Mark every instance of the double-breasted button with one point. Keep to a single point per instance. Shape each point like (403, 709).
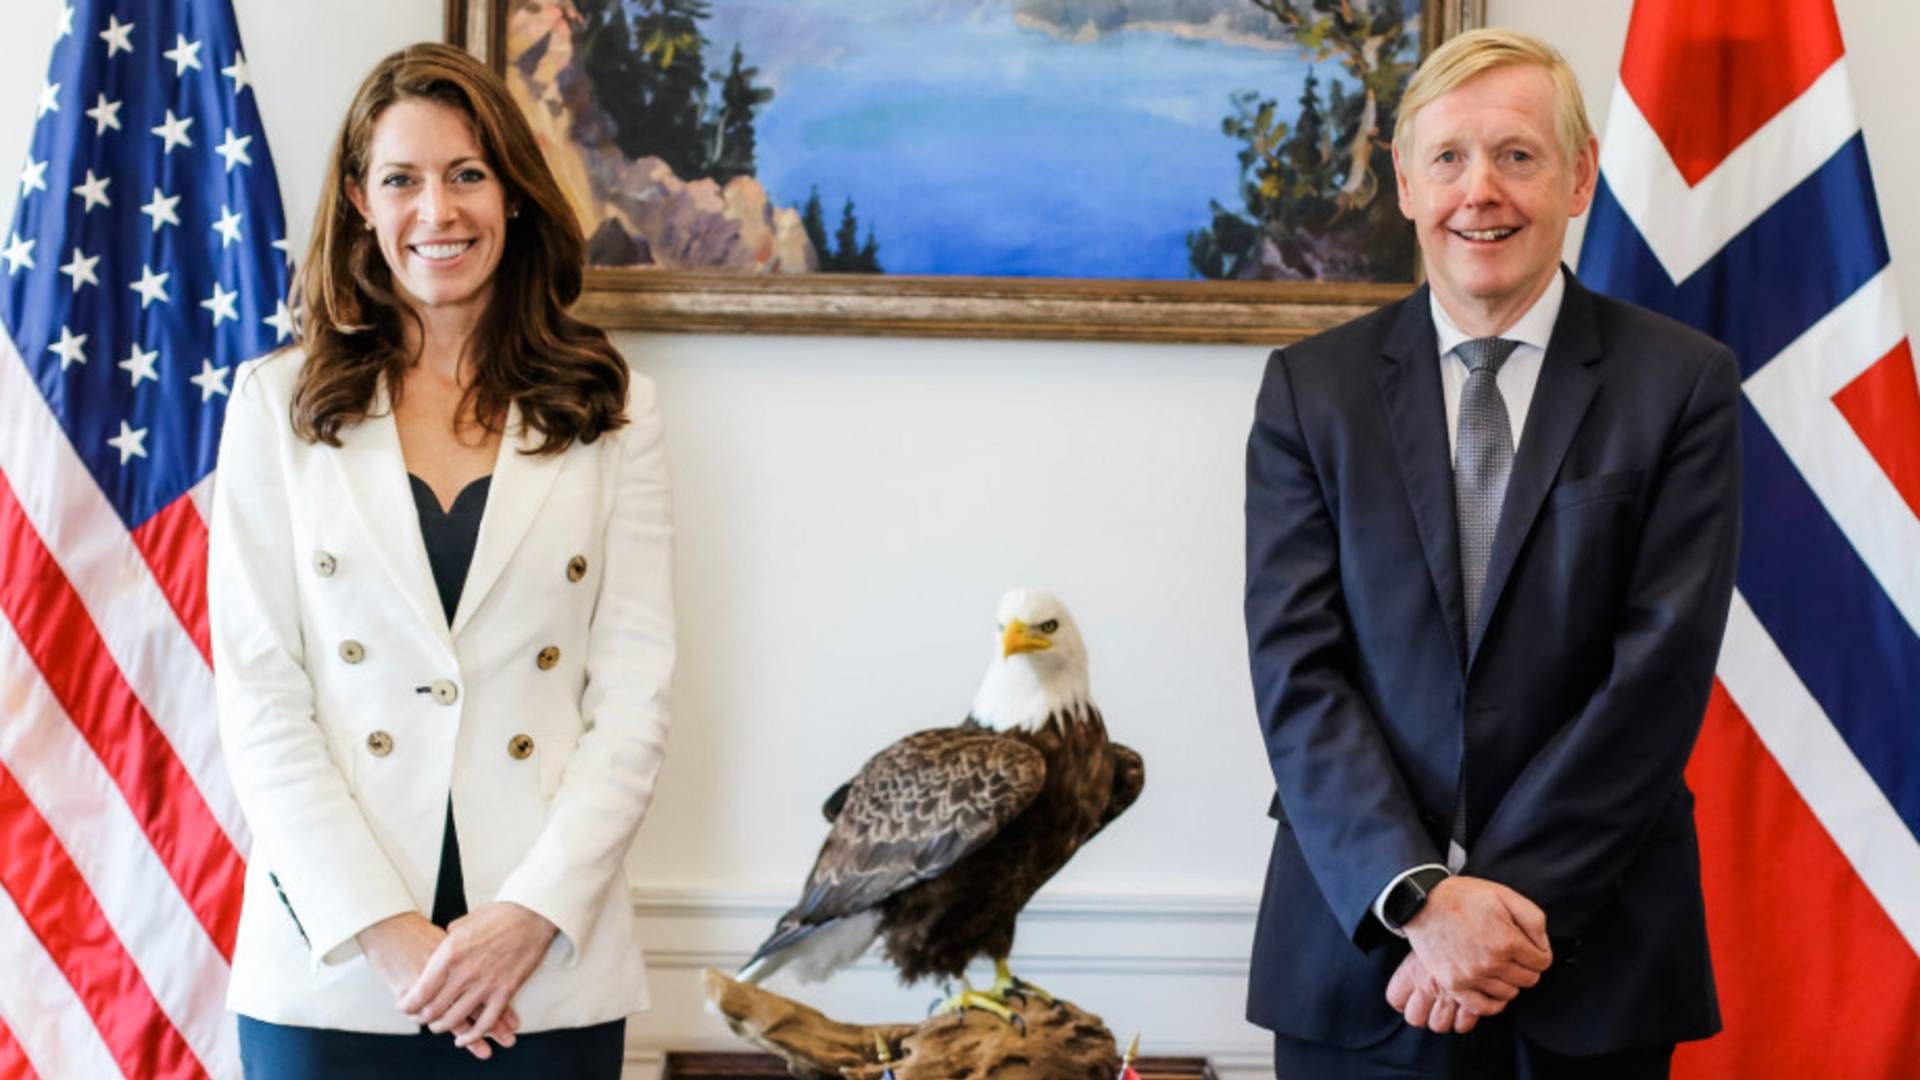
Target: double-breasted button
(548, 657)
(520, 747)
(352, 651)
(576, 568)
(379, 744)
(444, 691)
(324, 564)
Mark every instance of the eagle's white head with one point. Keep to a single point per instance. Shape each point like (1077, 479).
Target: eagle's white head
(1039, 663)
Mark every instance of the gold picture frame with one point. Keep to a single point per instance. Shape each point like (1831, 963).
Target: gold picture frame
(1270, 313)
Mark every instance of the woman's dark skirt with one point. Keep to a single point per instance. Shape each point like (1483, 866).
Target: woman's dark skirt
(278, 1052)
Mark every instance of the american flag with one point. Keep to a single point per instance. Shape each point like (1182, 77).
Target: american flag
(1735, 195)
(146, 259)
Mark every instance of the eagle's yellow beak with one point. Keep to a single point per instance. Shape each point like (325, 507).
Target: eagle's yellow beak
(1020, 638)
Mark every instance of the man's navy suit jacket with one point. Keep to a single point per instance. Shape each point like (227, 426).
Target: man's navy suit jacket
(1579, 695)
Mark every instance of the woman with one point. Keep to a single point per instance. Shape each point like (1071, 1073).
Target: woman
(442, 616)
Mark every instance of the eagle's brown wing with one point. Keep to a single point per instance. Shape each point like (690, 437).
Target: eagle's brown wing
(915, 809)
(1129, 777)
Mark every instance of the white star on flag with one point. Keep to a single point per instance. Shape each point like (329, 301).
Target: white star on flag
(151, 287)
(81, 269)
(174, 131)
(105, 114)
(184, 54)
(139, 364)
(94, 190)
(161, 209)
(221, 304)
(211, 380)
(282, 322)
(283, 248)
(66, 20)
(49, 99)
(234, 150)
(237, 72)
(228, 226)
(19, 255)
(33, 177)
(70, 348)
(117, 35)
(131, 442)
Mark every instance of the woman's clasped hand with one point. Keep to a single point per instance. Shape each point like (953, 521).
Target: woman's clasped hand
(461, 979)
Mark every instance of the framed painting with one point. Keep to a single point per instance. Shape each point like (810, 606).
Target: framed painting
(1146, 170)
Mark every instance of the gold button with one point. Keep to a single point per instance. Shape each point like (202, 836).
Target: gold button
(379, 744)
(444, 691)
(324, 564)
(352, 651)
(576, 568)
(520, 747)
(548, 657)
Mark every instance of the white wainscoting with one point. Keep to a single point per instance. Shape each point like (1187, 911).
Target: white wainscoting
(1172, 966)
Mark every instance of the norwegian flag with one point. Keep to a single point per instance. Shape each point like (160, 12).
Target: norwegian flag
(145, 261)
(1735, 195)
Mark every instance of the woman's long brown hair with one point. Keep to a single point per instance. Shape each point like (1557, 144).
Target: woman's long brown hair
(567, 377)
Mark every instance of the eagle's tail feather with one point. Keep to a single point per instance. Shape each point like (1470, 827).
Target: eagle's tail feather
(771, 956)
(815, 950)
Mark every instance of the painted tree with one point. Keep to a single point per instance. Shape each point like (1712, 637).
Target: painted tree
(730, 139)
(608, 54)
(849, 255)
(674, 78)
(1370, 38)
(1311, 191)
(813, 219)
(1287, 186)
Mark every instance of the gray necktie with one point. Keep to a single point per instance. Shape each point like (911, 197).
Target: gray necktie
(1483, 459)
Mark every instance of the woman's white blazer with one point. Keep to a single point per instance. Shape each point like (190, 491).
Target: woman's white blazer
(349, 708)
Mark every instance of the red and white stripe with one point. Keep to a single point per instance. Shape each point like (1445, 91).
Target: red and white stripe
(1822, 768)
(125, 842)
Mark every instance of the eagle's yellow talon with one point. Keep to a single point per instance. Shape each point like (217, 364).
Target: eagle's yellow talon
(969, 998)
(984, 1000)
(1006, 982)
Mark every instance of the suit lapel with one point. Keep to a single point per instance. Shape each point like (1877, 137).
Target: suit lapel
(1409, 381)
(374, 473)
(1560, 401)
(518, 490)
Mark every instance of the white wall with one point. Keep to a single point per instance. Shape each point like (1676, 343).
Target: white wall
(850, 510)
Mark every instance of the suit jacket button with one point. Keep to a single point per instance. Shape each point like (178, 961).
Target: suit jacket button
(324, 564)
(379, 744)
(444, 691)
(352, 651)
(576, 568)
(520, 747)
(548, 657)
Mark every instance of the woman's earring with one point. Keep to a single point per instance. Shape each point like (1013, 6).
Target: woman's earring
(367, 224)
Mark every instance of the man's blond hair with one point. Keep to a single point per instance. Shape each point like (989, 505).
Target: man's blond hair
(1477, 51)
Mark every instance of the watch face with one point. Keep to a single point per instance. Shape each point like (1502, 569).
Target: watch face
(1404, 902)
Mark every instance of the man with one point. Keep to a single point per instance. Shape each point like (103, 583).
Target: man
(1490, 549)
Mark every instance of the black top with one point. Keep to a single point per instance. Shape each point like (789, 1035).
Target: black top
(450, 537)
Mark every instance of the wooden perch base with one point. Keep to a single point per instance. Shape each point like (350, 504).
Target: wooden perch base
(1060, 1041)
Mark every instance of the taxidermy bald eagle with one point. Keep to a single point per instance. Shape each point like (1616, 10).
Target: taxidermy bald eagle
(944, 836)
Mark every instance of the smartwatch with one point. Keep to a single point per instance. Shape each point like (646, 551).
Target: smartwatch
(1409, 895)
